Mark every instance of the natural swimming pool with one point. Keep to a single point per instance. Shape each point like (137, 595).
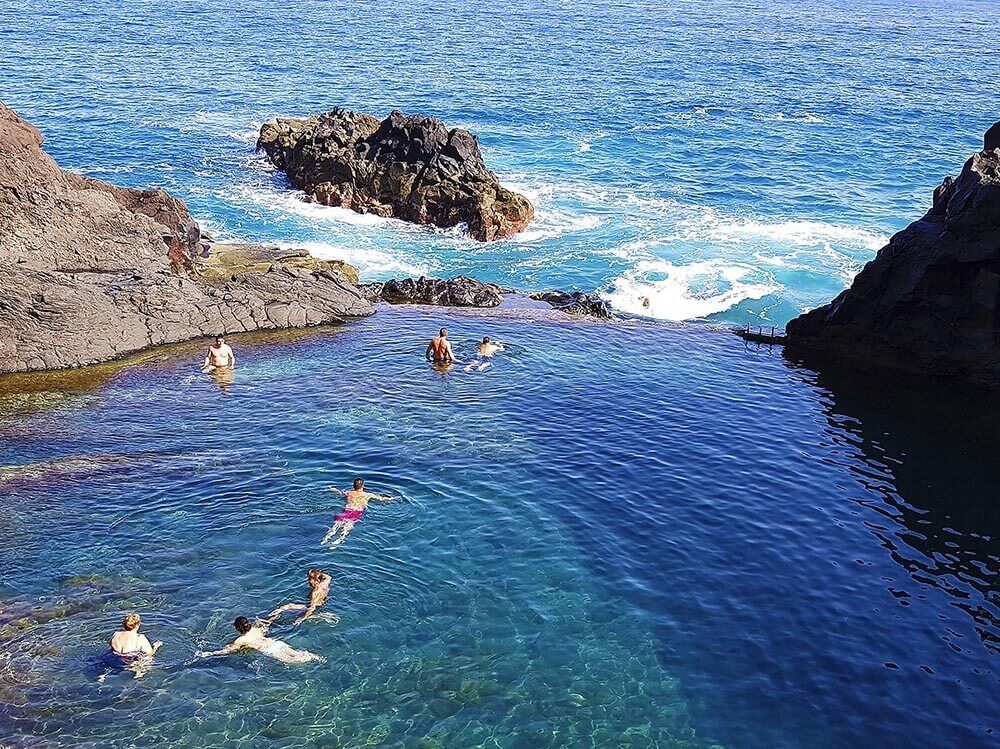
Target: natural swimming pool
(634, 535)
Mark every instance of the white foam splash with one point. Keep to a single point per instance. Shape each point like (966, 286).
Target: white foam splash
(372, 263)
(806, 118)
(665, 291)
(796, 233)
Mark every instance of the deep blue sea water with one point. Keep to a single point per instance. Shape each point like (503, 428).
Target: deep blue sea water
(732, 160)
(628, 535)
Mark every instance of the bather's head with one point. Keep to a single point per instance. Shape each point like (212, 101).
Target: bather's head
(131, 622)
(242, 625)
(219, 340)
(486, 339)
(359, 484)
(444, 332)
(314, 577)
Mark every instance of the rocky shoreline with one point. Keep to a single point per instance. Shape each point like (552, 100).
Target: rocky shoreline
(930, 300)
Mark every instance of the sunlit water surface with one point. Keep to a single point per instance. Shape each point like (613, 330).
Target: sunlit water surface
(737, 161)
(668, 540)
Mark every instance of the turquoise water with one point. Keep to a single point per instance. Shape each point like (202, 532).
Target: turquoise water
(694, 543)
(735, 161)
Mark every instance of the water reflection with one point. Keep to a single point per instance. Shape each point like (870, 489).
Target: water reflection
(930, 453)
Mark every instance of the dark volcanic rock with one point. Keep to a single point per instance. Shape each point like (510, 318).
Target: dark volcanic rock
(930, 300)
(575, 303)
(90, 272)
(460, 291)
(408, 167)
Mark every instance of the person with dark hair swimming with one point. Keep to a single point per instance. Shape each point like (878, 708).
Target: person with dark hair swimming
(131, 647)
(357, 503)
(319, 589)
(486, 351)
(254, 637)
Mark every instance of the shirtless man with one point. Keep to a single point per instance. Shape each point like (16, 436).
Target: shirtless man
(220, 356)
(357, 503)
(439, 349)
(129, 645)
(319, 589)
(254, 637)
(486, 351)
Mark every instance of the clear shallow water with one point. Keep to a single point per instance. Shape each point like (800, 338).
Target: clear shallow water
(690, 543)
(735, 161)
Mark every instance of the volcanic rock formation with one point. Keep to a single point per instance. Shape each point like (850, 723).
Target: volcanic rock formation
(930, 300)
(460, 291)
(90, 272)
(408, 167)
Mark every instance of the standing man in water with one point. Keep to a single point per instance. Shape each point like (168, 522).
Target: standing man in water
(319, 589)
(439, 349)
(220, 356)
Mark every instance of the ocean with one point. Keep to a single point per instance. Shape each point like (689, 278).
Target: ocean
(643, 534)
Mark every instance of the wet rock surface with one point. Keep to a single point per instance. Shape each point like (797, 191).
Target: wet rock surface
(460, 291)
(91, 272)
(930, 300)
(412, 168)
(575, 303)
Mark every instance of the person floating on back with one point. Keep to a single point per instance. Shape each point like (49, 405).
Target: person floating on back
(220, 356)
(486, 351)
(254, 637)
(319, 589)
(357, 503)
(439, 349)
(130, 647)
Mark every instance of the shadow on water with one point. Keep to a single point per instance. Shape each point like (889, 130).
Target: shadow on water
(928, 449)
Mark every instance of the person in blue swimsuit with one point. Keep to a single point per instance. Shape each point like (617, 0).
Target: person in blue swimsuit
(254, 637)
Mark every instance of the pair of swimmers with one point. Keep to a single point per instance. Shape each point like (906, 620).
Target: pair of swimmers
(439, 351)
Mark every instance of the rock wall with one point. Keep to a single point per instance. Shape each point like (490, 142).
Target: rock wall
(930, 300)
(412, 168)
(90, 272)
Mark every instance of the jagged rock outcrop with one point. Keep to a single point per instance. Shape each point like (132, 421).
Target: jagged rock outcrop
(575, 303)
(408, 167)
(460, 291)
(930, 300)
(90, 272)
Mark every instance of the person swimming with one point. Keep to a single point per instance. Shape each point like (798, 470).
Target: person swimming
(439, 349)
(486, 351)
(254, 637)
(220, 356)
(319, 589)
(129, 647)
(357, 503)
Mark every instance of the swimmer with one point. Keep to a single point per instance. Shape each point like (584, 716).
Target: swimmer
(129, 645)
(254, 637)
(357, 503)
(486, 351)
(220, 356)
(319, 589)
(439, 349)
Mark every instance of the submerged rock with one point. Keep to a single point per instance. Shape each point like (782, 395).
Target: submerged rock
(930, 300)
(408, 167)
(575, 303)
(460, 291)
(91, 272)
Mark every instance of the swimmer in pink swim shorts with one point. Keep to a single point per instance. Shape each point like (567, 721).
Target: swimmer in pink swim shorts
(357, 503)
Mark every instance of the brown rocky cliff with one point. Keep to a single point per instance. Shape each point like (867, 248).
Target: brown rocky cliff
(930, 300)
(90, 272)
